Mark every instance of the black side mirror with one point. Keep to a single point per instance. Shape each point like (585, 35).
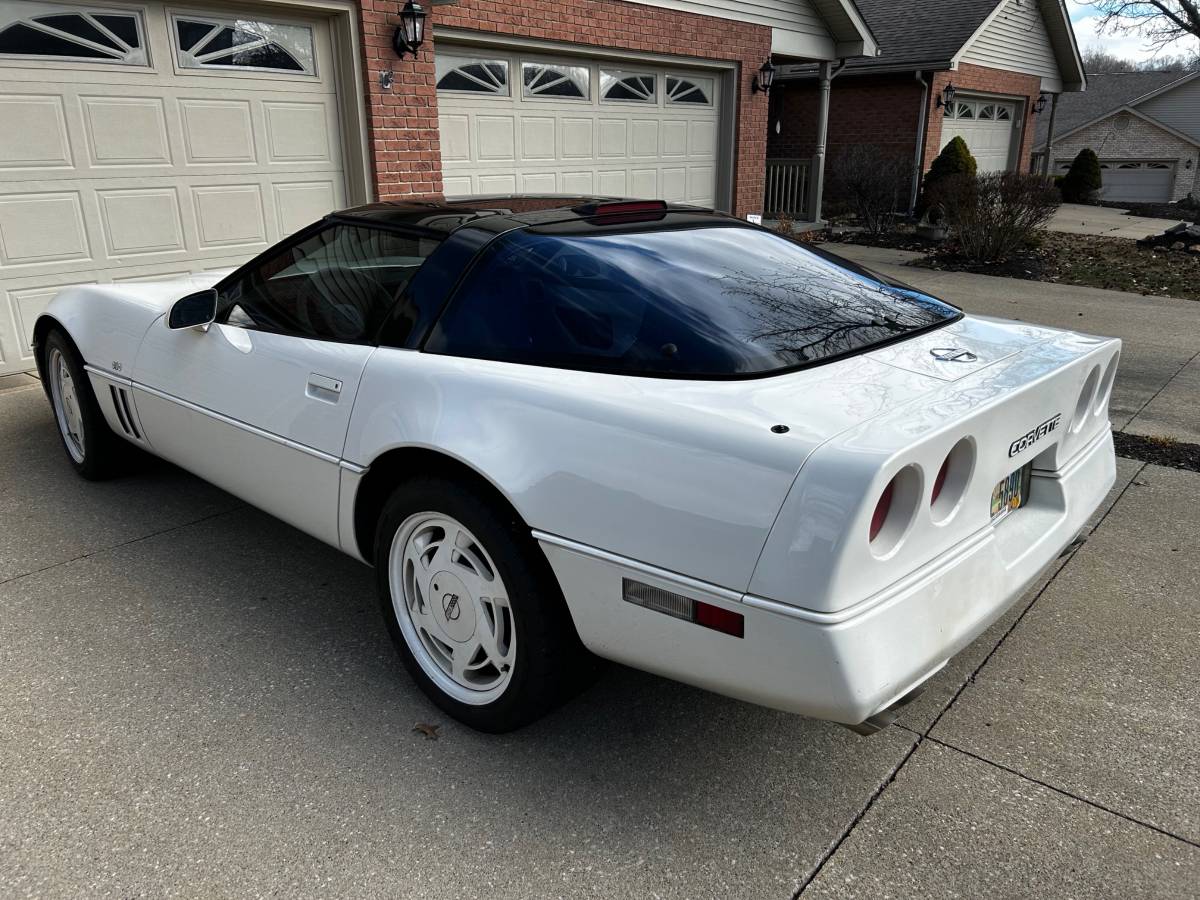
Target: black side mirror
(194, 311)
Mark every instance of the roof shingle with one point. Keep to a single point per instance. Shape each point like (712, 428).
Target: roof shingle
(1104, 94)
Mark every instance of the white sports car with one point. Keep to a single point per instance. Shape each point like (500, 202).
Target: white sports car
(563, 429)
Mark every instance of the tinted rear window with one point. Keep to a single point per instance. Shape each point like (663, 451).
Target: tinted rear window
(710, 301)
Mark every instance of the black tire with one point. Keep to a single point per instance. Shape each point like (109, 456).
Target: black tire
(102, 452)
(551, 664)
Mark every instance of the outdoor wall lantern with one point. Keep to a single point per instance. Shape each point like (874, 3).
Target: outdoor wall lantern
(410, 33)
(764, 79)
(946, 101)
(1040, 104)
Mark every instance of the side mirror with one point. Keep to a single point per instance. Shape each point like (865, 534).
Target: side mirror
(194, 311)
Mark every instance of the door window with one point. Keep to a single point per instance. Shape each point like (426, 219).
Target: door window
(337, 284)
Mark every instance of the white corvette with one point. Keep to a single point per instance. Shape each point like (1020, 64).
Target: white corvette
(651, 433)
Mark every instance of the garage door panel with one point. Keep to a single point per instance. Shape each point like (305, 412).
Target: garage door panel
(674, 138)
(42, 228)
(495, 137)
(644, 183)
(125, 131)
(300, 203)
(34, 134)
(217, 131)
(613, 183)
(498, 184)
(988, 127)
(538, 137)
(578, 182)
(539, 182)
(645, 138)
(137, 221)
(297, 131)
(455, 135)
(613, 138)
(24, 306)
(229, 214)
(674, 184)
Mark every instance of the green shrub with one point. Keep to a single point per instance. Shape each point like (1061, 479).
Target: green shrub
(1082, 179)
(954, 160)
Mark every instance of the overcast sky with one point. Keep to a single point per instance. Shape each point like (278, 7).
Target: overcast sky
(1126, 46)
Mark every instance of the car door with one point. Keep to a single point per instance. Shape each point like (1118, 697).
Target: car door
(259, 402)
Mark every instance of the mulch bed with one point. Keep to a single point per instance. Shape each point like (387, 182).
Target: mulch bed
(1116, 264)
(1159, 451)
(1176, 211)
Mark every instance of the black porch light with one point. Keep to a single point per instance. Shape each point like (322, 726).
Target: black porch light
(946, 101)
(764, 79)
(410, 33)
(1040, 104)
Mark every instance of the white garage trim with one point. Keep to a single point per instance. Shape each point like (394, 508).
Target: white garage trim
(992, 127)
(724, 72)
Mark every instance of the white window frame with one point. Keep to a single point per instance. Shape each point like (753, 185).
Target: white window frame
(584, 68)
(453, 61)
(182, 68)
(35, 8)
(705, 83)
(619, 75)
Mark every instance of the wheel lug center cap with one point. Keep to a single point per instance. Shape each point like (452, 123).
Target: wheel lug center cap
(452, 606)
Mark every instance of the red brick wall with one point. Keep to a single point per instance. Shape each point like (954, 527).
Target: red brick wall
(992, 81)
(867, 111)
(882, 111)
(402, 124)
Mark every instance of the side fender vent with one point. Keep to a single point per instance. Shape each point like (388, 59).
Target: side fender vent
(120, 399)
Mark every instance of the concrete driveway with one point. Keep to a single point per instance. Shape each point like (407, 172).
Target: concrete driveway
(197, 700)
(1077, 218)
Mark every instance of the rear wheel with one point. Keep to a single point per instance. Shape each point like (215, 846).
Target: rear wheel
(92, 448)
(473, 607)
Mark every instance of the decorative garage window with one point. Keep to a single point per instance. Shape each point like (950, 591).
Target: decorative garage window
(225, 44)
(982, 110)
(479, 76)
(688, 90)
(552, 80)
(71, 33)
(1158, 165)
(632, 87)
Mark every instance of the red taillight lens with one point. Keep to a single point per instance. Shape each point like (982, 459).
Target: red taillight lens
(882, 508)
(940, 481)
(719, 619)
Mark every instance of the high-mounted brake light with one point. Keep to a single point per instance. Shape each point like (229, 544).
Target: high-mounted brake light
(678, 606)
(622, 208)
(882, 508)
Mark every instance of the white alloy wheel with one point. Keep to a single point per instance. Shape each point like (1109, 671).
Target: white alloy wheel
(67, 410)
(452, 607)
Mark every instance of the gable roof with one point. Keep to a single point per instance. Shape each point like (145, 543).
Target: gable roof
(1105, 94)
(933, 34)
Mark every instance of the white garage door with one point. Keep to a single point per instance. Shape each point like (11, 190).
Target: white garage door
(530, 124)
(142, 141)
(1126, 181)
(987, 127)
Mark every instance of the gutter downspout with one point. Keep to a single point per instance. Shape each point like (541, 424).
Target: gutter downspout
(920, 149)
(1049, 136)
(827, 73)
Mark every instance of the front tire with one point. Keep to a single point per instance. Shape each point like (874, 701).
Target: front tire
(473, 607)
(92, 449)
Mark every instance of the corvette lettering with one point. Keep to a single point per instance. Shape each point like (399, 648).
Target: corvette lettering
(1025, 441)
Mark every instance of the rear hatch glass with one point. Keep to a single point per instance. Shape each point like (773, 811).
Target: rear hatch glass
(700, 301)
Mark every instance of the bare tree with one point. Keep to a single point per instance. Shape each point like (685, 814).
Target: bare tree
(1098, 61)
(1160, 22)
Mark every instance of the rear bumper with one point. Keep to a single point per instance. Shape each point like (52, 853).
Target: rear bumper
(847, 665)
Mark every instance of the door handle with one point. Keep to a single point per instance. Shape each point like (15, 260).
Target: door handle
(322, 387)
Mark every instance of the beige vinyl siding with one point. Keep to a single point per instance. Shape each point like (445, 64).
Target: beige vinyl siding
(1178, 108)
(796, 25)
(1016, 40)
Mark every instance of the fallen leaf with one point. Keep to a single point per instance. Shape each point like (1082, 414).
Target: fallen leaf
(430, 731)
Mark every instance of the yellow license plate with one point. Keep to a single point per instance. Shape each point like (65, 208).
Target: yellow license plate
(1012, 492)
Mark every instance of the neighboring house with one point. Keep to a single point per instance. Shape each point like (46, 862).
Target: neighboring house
(1000, 57)
(1144, 126)
(140, 139)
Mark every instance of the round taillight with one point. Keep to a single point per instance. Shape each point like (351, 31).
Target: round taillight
(940, 481)
(882, 508)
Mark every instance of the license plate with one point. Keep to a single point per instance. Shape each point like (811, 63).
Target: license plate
(1012, 492)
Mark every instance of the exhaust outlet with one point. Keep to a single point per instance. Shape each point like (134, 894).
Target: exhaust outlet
(887, 715)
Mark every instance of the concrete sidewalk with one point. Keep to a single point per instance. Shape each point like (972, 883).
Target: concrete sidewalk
(1157, 392)
(1077, 218)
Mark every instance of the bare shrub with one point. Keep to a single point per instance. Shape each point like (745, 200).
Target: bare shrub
(994, 215)
(785, 224)
(873, 183)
